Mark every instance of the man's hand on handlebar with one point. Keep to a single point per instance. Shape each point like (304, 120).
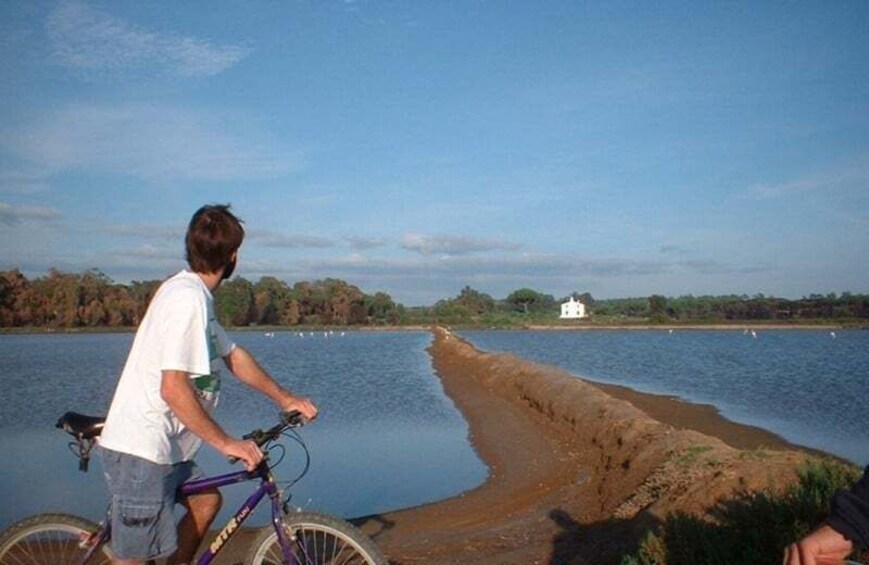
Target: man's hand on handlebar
(302, 405)
(244, 450)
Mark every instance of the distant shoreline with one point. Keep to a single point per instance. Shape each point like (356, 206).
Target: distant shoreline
(710, 326)
(468, 327)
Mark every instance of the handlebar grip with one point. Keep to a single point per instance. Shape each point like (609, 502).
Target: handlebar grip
(292, 418)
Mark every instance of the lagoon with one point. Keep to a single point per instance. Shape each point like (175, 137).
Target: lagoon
(387, 436)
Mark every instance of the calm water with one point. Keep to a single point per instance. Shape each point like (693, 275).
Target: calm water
(806, 386)
(387, 436)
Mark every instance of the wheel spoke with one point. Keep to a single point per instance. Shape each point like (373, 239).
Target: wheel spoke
(48, 539)
(317, 539)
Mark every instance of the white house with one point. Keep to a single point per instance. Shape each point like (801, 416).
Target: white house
(573, 309)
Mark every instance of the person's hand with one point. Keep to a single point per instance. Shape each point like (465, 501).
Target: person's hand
(824, 546)
(304, 406)
(244, 450)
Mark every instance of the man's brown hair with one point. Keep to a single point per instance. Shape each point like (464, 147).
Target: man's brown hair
(213, 235)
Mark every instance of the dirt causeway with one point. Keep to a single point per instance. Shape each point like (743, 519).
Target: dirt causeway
(578, 470)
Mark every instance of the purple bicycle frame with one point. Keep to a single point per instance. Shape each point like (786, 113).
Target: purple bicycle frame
(266, 487)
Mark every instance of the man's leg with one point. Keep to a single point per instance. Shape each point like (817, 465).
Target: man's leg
(142, 523)
(201, 510)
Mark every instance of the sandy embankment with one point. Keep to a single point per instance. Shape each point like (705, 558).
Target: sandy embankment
(578, 470)
(577, 474)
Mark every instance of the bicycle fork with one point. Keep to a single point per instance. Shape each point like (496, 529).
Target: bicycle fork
(286, 539)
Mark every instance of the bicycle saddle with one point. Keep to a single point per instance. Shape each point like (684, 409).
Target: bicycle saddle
(81, 426)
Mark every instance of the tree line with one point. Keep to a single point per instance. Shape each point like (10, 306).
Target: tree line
(92, 300)
(734, 308)
(529, 306)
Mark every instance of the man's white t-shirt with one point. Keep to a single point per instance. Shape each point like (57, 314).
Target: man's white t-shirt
(179, 332)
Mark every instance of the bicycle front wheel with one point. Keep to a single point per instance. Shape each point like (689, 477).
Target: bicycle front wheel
(316, 539)
(49, 539)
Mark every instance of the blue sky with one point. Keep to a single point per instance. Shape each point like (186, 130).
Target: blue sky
(618, 148)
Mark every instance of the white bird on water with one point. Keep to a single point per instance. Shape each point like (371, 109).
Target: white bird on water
(753, 334)
(833, 335)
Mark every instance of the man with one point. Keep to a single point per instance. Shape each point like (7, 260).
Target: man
(161, 410)
(847, 527)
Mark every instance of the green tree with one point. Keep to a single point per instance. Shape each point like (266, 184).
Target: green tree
(233, 302)
(527, 300)
(657, 309)
(381, 309)
(474, 301)
(585, 298)
(270, 296)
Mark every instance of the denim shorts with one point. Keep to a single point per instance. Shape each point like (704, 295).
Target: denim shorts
(143, 496)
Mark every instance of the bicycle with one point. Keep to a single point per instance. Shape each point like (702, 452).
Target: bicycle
(296, 537)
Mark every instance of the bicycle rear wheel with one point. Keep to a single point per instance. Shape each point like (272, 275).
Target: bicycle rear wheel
(316, 539)
(49, 539)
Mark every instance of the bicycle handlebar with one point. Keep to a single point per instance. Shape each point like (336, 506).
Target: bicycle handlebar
(291, 419)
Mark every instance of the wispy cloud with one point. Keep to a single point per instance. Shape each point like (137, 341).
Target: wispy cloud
(86, 38)
(673, 250)
(151, 231)
(540, 267)
(357, 242)
(706, 267)
(291, 241)
(451, 245)
(829, 180)
(150, 142)
(16, 182)
(13, 215)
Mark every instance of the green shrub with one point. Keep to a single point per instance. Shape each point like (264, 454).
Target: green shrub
(749, 528)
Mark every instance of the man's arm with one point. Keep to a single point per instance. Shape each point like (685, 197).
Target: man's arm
(846, 526)
(244, 366)
(824, 546)
(177, 391)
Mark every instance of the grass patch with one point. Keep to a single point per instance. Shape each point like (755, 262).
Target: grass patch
(691, 454)
(751, 527)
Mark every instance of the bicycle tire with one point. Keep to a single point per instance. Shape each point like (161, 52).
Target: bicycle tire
(318, 539)
(49, 539)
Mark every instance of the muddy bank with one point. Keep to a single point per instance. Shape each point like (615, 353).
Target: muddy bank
(577, 472)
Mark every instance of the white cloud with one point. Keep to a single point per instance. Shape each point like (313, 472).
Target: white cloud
(451, 245)
(85, 38)
(13, 215)
(150, 142)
